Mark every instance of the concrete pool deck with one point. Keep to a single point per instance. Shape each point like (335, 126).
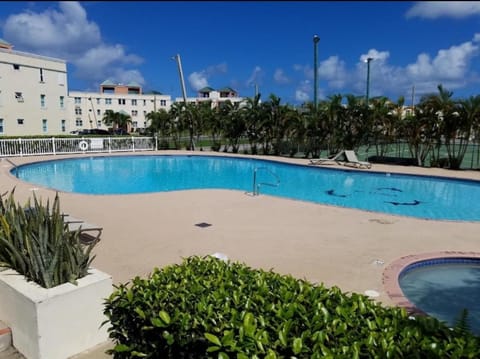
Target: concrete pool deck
(345, 247)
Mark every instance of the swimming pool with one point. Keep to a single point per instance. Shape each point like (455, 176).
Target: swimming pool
(443, 287)
(406, 195)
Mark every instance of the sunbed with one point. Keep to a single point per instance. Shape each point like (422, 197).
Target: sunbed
(327, 161)
(352, 160)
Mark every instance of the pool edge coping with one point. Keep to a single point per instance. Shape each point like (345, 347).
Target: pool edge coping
(390, 276)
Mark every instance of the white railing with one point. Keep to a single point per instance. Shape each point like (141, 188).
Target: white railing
(58, 146)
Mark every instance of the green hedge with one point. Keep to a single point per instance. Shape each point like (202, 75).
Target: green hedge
(207, 308)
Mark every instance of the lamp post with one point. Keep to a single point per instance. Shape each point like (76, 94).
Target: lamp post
(316, 39)
(368, 79)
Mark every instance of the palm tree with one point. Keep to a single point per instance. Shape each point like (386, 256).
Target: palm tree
(379, 120)
(444, 114)
(469, 110)
(120, 120)
(160, 122)
(233, 125)
(252, 116)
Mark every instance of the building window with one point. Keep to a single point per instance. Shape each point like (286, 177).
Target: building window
(16, 67)
(135, 124)
(19, 121)
(134, 112)
(42, 101)
(64, 127)
(61, 78)
(41, 75)
(78, 100)
(99, 123)
(121, 101)
(108, 101)
(98, 101)
(44, 125)
(19, 96)
(78, 111)
(108, 90)
(99, 112)
(163, 102)
(144, 102)
(78, 122)
(144, 113)
(1, 125)
(134, 102)
(62, 104)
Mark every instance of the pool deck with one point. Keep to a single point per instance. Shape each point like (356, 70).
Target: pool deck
(348, 248)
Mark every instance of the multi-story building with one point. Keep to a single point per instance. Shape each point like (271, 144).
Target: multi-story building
(88, 108)
(214, 96)
(33, 93)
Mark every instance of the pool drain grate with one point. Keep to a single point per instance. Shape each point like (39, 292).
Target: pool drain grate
(203, 225)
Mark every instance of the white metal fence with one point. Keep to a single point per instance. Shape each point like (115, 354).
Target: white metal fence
(58, 146)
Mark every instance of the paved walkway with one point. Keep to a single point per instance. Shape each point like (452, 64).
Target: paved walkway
(337, 246)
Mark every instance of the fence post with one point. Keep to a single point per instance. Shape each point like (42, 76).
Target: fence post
(156, 143)
(53, 145)
(109, 145)
(20, 145)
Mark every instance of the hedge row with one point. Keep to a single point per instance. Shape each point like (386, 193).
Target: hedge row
(208, 308)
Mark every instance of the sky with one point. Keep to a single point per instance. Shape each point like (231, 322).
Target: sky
(267, 45)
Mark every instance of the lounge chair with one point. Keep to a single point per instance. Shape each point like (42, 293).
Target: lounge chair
(86, 229)
(353, 161)
(328, 161)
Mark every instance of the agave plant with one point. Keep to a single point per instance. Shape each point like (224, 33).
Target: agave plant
(35, 241)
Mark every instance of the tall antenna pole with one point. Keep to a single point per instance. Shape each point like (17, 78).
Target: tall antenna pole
(413, 98)
(316, 39)
(184, 93)
(182, 81)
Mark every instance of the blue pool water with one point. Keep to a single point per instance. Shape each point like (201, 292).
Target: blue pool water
(407, 195)
(443, 288)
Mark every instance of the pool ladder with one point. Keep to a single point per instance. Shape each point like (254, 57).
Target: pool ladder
(256, 186)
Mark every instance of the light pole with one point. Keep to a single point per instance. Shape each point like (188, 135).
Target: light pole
(368, 79)
(316, 39)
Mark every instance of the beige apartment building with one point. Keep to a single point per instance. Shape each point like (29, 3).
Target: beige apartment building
(88, 108)
(215, 97)
(34, 98)
(33, 94)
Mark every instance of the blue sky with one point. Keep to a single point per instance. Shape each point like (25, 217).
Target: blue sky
(243, 43)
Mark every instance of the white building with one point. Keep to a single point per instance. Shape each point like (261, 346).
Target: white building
(33, 93)
(88, 108)
(215, 96)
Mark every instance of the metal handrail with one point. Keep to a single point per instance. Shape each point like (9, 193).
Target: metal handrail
(256, 186)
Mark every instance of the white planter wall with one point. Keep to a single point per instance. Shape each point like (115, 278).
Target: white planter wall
(54, 323)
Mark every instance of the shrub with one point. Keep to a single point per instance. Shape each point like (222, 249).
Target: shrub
(207, 308)
(36, 242)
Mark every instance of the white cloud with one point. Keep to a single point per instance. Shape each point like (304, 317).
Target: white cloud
(198, 80)
(436, 9)
(68, 34)
(303, 90)
(256, 76)
(376, 55)
(306, 69)
(280, 77)
(449, 65)
(333, 70)
(301, 95)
